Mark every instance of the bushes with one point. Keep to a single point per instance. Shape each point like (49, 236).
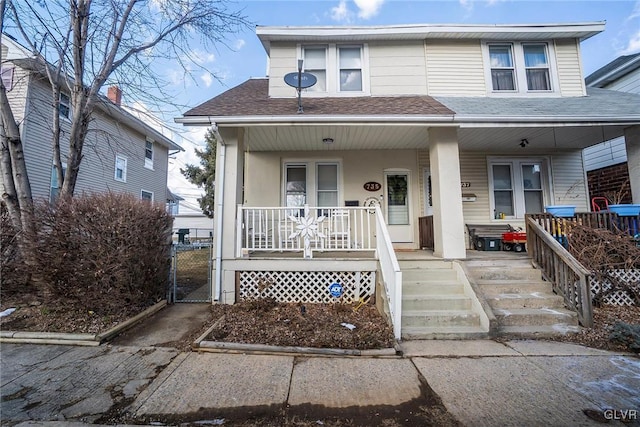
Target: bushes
(101, 252)
(627, 335)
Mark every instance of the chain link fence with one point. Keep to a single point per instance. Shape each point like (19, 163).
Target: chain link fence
(191, 271)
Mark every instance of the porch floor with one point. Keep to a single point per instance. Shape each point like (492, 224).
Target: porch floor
(403, 254)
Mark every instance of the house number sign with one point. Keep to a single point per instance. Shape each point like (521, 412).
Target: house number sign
(372, 186)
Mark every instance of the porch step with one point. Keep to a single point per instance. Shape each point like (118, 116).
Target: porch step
(431, 275)
(524, 305)
(535, 316)
(439, 318)
(431, 288)
(524, 300)
(438, 333)
(436, 302)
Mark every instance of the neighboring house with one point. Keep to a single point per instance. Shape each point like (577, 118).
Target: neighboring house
(606, 163)
(199, 226)
(461, 124)
(121, 153)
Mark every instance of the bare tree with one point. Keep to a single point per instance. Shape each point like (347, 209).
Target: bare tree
(82, 45)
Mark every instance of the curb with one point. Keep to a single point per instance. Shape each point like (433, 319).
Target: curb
(200, 344)
(62, 338)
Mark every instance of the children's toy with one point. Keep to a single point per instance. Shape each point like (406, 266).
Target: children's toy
(514, 241)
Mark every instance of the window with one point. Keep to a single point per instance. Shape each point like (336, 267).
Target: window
(296, 185)
(517, 187)
(315, 62)
(55, 185)
(327, 184)
(146, 195)
(312, 183)
(148, 155)
(502, 69)
(536, 66)
(64, 106)
(522, 67)
(350, 63)
(121, 169)
(7, 77)
(340, 69)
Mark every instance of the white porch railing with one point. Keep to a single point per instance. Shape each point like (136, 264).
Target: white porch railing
(391, 274)
(304, 229)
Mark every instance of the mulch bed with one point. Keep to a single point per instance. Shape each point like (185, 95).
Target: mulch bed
(265, 321)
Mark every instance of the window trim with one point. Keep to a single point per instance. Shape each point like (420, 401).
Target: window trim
(333, 69)
(148, 192)
(521, 70)
(124, 169)
(148, 162)
(518, 189)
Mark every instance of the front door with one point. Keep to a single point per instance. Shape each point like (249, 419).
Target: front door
(397, 205)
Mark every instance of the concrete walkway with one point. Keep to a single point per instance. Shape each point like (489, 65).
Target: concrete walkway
(480, 383)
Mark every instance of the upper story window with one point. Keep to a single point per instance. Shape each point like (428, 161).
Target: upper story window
(537, 66)
(519, 68)
(148, 155)
(350, 62)
(64, 106)
(340, 69)
(315, 62)
(502, 69)
(121, 169)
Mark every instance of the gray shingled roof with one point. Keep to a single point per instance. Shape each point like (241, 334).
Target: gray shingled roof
(613, 66)
(251, 98)
(599, 105)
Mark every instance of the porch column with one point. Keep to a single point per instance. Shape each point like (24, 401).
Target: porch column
(448, 221)
(632, 141)
(231, 165)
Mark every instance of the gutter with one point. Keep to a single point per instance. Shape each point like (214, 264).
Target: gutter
(217, 290)
(320, 119)
(619, 71)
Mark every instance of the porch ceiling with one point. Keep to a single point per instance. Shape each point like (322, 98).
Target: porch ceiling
(401, 137)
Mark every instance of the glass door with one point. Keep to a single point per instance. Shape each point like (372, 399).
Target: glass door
(397, 198)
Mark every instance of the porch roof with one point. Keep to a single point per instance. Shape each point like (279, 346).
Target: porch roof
(250, 100)
(600, 106)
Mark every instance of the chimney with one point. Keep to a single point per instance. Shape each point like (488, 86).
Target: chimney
(115, 95)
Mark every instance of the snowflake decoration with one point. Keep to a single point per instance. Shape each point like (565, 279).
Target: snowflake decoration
(307, 227)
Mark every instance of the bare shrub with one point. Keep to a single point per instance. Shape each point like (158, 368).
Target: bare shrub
(102, 252)
(13, 274)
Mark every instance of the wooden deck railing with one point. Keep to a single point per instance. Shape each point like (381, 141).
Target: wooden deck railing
(568, 277)
(559, 227)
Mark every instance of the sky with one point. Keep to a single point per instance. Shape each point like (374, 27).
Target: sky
(244, 57)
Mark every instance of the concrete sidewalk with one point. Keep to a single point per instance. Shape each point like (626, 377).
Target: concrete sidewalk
(480, 383)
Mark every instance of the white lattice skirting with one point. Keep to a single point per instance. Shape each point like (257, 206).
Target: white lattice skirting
(618, 297)
(306, 286)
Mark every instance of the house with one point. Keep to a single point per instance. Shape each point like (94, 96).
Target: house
(122, 153)
(453, 124)
(606, 163)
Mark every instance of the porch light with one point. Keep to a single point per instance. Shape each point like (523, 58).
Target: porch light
(327, 140)
(524, 142)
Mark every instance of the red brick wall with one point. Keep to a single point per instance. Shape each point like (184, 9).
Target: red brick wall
(610, 182)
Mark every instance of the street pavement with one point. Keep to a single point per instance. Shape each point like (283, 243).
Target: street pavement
(139, 380)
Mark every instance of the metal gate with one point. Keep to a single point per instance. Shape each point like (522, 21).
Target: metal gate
(191, 265)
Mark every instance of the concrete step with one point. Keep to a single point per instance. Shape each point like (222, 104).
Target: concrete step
(449, 287)
(440, 318)
(496, 287)
(431, 274)
(435, 302)
(506, 273)
(512, 262)
(524, 300)
(443, 333)
(538, 331)
(532, 316)
(423, 264)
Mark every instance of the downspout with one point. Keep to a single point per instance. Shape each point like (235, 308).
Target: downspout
(217, 291)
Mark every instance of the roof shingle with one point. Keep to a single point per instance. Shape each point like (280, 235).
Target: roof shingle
(251, 99)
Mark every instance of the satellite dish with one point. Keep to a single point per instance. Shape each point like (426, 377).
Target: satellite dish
(306, 80)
